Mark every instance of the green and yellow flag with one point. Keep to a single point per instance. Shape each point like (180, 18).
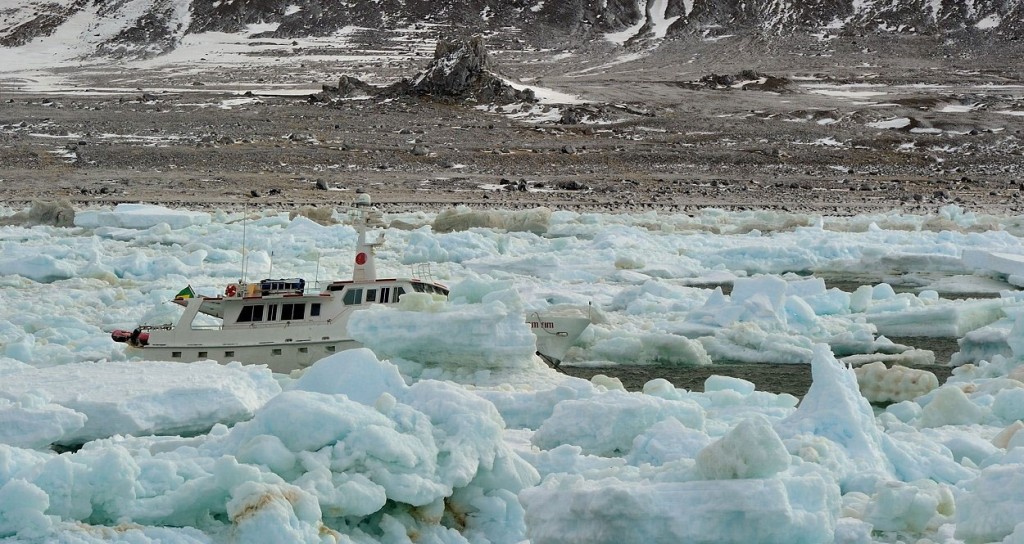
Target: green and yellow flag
(187, 292)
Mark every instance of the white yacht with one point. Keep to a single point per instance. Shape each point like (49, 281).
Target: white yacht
(288, 326)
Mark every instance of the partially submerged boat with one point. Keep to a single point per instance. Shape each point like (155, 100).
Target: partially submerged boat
(287, 325)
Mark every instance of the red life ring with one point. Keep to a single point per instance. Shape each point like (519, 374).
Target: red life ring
(231, 290)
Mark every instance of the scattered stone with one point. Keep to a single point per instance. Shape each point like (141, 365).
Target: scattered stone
(349, 86)
(573, 185)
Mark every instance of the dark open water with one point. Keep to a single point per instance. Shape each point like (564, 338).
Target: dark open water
(774, 378)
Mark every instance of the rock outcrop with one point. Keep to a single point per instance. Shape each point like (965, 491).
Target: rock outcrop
(461, 71)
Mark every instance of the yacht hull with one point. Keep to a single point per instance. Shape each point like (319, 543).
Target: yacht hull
(281, 358)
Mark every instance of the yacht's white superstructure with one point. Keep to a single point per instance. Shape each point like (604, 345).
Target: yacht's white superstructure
(288, 326)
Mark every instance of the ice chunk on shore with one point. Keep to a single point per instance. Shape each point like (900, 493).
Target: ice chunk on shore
(939, 319)
(356, 373)
(899, 506)
(752, 449)
(569, 509)
(834, 409)
(950, 406)
(35, 266)
(144, 397)
(490, 334)
(991, 506)
(31, 421)
(140, 216)
(607, 424)
(879, 383)
(1007, 264)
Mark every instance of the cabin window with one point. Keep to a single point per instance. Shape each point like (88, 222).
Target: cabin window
(399, 291)
(229, 354)
(330, 349)
(371, 296)
(275, 351)
(314, 309)
(293, 312)
(428, 288)
(272, 312)
(353, 296)
(279, 286)
(250, 313)
(202, 355)
(385, 294)
(176, 354)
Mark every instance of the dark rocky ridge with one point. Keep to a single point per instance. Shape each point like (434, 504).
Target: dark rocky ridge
(564, 23)
(461, 71)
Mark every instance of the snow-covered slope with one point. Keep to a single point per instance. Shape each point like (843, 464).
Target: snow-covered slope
(148, 27)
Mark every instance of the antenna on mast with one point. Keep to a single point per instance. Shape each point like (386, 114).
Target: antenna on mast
(316, 276)
(245, 257)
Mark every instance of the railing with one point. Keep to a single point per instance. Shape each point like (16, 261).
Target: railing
(424, 271)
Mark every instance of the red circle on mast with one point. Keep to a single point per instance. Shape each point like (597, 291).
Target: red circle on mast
(360, 258)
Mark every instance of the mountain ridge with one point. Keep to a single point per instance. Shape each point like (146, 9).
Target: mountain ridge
(141, 28)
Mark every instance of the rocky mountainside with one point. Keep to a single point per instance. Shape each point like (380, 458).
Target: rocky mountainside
(150, 27)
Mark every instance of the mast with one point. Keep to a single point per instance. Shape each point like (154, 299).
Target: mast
(365, 216)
